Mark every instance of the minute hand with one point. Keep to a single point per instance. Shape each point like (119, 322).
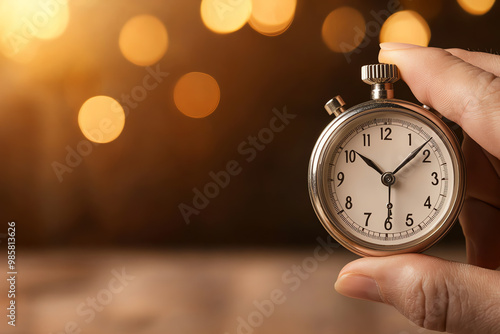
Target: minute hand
(411, 156)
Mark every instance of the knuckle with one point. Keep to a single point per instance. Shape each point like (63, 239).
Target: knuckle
(484, 97)
(428, 304)
(444, 298)
(430, 301)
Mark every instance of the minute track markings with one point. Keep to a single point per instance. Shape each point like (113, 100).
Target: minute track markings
(349, 141)
(391, 235)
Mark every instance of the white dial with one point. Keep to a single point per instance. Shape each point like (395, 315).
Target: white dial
(388, 180)
(415, 197)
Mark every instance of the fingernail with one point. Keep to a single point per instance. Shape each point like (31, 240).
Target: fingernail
(389, 46)
(358, 286)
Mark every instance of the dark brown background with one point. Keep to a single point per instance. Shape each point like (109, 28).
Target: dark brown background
(127, 193)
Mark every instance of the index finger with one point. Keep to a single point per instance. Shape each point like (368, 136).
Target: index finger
(460, 91)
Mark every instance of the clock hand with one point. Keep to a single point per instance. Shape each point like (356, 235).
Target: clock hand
(370, 163)
(389, 206)
(388, 179)
(411, 156)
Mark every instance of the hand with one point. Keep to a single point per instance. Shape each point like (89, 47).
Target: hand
(411, 156)
(370, 163)
(436, 294)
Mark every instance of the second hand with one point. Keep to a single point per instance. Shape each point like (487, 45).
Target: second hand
(388, 179)
(389, 207)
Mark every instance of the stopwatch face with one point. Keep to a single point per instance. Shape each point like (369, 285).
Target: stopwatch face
(387, 181)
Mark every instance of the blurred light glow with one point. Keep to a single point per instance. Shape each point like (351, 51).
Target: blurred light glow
(272, 17)
(26, 54)
(196, 94)
(476, 7)
(429, 9)
(143, 40)
(225, 16)
(406, 26)
(343, 29)
(24, 21)
(101, 119)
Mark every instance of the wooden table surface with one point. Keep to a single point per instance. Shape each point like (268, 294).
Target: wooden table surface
(193, 292)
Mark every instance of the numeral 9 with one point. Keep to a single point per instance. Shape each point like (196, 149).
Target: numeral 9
(340, 177)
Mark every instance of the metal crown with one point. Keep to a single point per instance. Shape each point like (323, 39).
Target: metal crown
(379, 73)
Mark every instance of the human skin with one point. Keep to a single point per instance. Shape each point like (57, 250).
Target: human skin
(433, 293)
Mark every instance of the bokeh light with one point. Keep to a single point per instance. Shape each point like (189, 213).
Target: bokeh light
(272, 17)
(24, 21)
(196, 94)
(25, 54)
(101, 119)
(476, 7)
(143, 40)
(406, 26)
(224, 17)
(343, 29)
(429, 9)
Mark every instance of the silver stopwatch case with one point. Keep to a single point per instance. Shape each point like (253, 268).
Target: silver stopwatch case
(381, 77)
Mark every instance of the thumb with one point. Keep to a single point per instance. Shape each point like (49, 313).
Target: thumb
(432, 293)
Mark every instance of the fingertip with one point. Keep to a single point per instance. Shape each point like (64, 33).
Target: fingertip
(384, 57)
(357, 266)
(389, 46)
(387, 56)
(359, 287)
(391, 57)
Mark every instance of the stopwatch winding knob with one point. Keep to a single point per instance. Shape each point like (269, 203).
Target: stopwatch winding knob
(380, 73)
(380, 77)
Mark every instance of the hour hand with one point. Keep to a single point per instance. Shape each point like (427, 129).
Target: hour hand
(370, 163)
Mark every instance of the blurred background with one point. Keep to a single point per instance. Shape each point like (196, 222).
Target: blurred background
(172, 138)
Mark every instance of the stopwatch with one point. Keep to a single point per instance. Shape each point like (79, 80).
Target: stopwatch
(386, 176)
